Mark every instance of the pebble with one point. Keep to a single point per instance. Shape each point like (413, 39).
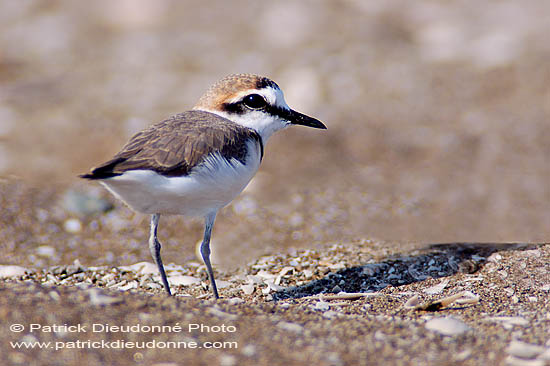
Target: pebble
(282, 273)
(248, 289)
(321, 306)
(54, 296)
(495, 257)
(330, 314)
(271, 286)
(142, 268)
(85, 204)
(183, 280)
(450, 326)
(228, 360)
(72, 226)
(266, 275)
(221, 314)
(464, 355)
(45, 251)
(223, 284)
(12, 271)
(255, 279)
(412, 302)
(235, 301)
(437, 288)
(508, 322)
(546, 354)
(249, 350)
(524, 350)
(514, 361)
(291, 327)
(129, 286)
(97, 298)
(533, 253)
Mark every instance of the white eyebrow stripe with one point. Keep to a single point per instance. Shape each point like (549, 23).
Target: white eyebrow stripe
(272, 96)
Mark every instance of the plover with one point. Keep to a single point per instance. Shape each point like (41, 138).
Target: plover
(196, 162)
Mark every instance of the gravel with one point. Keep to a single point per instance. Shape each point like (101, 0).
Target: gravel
(301, 319)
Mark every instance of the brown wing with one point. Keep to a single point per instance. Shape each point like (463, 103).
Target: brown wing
(175, 146)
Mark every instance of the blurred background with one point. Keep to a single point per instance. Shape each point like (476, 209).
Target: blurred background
(438, 116)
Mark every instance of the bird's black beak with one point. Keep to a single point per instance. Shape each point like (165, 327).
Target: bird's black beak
(297, 118)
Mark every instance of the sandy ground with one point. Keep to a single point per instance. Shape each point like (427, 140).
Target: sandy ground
(431, 180)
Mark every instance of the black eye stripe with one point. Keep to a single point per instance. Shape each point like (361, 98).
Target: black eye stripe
(252, 102)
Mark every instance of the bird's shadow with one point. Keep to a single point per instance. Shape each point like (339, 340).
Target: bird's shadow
(433, 261)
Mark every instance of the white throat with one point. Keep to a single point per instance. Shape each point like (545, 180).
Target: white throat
(266, 125)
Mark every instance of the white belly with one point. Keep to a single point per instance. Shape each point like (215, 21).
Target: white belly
(208, 188)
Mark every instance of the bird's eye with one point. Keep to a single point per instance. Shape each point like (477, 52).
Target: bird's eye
(254, 101)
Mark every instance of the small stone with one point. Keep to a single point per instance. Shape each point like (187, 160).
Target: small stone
(282, 273)
(337, 266)
(380, 336)
(72, 226)
(74, 268)
(12, 271)
(545, 355)
(221, 314)
(99, 299)
(437, 288)
(514, 361)
(223, 284)
(183, 280)
(17, 358)
(249, 350)
(153, 285)
(129, 286)
(495, 257)
(449, 326)
(227, 360)
(330, 314)
(248, 289)
(255, 279)
(85, 204)
(508, 322)
(412, 302)
(45, 251)
(271, 287)
(28, 338)
(291, 327)
(334, 359)
(142, 268)
(336, 289)
(524, 350)
(321, 306)
(464, 355)
(266, 275)
(235, 301)
(533, 253)
(54, 296)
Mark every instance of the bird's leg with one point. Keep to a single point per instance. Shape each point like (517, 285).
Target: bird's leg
(154, 247)
(205, 250)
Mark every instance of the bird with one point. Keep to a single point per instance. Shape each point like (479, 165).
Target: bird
(196, 162)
